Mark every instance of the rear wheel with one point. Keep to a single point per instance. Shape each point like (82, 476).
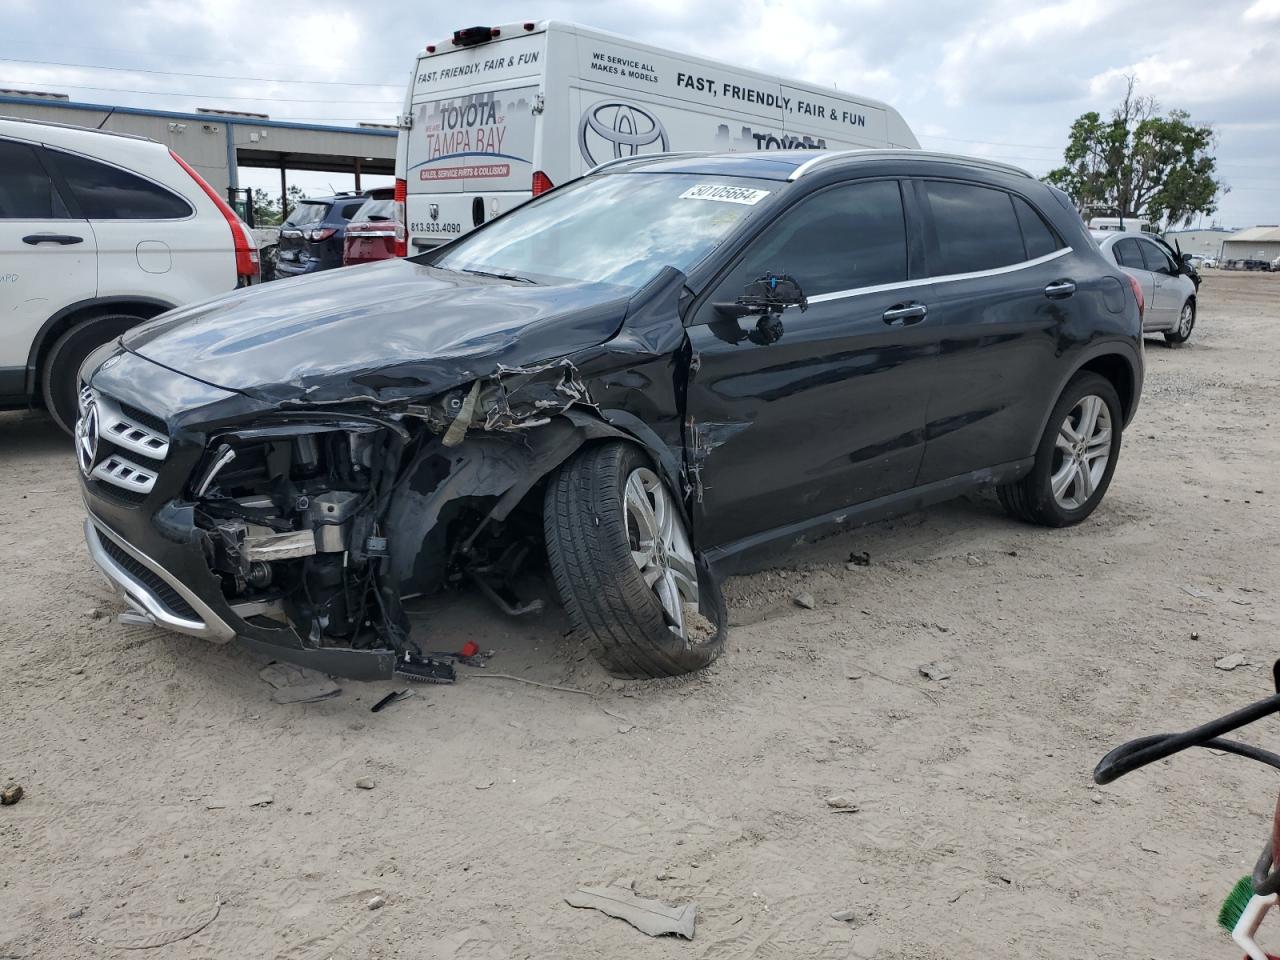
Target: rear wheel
(58, 379)
(625, 569)
(1186, 323)
(1075, 459)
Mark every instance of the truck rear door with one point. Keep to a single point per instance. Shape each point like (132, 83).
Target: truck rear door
(473, 137)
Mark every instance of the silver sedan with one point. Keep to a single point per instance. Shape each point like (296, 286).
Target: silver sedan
(1170, 293)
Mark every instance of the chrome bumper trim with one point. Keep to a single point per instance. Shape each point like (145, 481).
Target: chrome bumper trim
(142, 601)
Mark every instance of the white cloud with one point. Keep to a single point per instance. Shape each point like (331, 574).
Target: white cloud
(1002, 78)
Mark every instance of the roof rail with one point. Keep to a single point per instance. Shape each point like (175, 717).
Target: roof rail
(873, 154)
(644, 157)
(73, 126)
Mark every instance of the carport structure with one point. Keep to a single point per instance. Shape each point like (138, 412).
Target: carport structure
(216, 142)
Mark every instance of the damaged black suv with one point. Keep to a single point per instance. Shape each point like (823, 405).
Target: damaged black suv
(633, 381)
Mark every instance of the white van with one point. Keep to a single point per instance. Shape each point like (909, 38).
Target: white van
(1119, 225)
(497, 115)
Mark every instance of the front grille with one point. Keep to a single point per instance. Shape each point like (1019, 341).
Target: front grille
(131, 445)
(146, 419)
(110, 491)
(150, 579)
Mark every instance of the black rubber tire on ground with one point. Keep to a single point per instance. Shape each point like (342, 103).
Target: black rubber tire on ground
(1031, 498)
(602, 590)
(58, 378)
(1175, 337)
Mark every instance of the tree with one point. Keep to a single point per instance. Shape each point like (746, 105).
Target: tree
(1140, 164)
(266, 206)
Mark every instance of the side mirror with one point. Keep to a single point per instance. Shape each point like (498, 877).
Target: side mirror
(770, 294)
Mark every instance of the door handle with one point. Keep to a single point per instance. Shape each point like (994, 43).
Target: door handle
(62, 239)
(905, 314)
(1060, 289)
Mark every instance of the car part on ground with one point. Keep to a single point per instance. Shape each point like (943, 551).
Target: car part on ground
(288, 465)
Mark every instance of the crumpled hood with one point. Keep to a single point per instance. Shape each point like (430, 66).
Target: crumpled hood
(388, 331)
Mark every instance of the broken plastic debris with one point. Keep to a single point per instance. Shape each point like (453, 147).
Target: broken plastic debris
(652, 917)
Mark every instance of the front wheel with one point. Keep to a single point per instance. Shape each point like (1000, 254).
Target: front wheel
(1186, 323)
(625, 569)
(1075, 459)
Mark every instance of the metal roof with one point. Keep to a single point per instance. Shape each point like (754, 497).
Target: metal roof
(195, 117)
(1266, 233)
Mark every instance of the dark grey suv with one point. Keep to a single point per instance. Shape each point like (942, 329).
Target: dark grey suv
(632, 383)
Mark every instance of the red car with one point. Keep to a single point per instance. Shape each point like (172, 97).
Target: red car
(374, 231)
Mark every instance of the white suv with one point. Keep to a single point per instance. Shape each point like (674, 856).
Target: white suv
(98, 232)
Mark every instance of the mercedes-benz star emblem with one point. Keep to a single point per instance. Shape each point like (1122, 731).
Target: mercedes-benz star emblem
(621, 128)
(87, 437)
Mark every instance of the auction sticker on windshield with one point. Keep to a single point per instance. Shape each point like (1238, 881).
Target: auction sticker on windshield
(725, 194)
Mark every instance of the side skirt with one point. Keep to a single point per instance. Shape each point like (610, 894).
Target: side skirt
(752, 551)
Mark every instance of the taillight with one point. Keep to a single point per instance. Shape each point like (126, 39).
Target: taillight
(245, 246)
(1137, 293)
(401, 246)
(541, 182)
(317, 234)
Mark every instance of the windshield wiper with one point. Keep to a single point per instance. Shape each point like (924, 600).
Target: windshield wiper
(498, 276)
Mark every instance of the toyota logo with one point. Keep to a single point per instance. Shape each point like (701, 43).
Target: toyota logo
(620, 128)
(434, 211)
(87, 437)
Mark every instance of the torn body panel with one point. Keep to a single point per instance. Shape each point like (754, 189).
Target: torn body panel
(309, 509)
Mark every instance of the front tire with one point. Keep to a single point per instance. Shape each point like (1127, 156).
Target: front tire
(59, 378)
(1075, 459)
(624, 567)
(1186, 323)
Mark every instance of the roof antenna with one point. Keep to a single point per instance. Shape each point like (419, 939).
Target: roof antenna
(107, 117)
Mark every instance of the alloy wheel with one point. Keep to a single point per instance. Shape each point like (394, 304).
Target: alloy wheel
(1186, 321)
(1081, 452)
(660, 547)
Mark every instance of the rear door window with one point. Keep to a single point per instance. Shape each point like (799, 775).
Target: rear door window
(976, 228)
(1129, 254)
(1037, 236)
(26, 192)
(843, 238)
(109, 193)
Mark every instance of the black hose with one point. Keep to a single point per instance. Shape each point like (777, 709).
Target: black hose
(1138, 753)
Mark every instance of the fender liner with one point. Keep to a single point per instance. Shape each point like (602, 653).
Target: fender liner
(504, 465)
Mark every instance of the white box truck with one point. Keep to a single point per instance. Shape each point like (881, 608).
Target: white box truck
(496, 115)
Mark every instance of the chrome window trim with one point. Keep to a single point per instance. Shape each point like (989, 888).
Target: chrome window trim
(946, 278)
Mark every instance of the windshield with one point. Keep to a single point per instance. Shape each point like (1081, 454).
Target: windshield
(619, 229)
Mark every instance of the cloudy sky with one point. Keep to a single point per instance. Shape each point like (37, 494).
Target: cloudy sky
(997, 78)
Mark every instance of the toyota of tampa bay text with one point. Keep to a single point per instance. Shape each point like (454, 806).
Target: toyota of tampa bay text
(635, 383)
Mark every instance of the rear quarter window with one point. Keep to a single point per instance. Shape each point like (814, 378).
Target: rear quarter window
(109, 193)
(976, 228)
(1038, 237)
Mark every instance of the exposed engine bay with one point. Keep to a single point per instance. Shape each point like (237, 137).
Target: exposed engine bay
(298, 510)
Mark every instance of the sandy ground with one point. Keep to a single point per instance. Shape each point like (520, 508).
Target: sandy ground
(977, 833)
